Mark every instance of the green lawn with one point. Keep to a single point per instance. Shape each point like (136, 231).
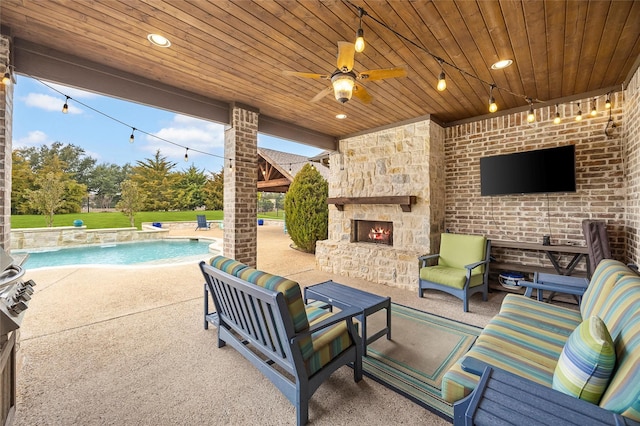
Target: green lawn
(119, 220)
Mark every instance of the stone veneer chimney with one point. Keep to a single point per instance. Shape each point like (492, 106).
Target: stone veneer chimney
(406, 160)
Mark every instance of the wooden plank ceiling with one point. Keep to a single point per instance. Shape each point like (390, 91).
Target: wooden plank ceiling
(235, 51)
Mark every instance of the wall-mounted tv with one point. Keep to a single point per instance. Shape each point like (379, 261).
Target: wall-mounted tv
(539, 171)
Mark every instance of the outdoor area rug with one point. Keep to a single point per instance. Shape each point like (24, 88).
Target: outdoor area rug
(422, 349)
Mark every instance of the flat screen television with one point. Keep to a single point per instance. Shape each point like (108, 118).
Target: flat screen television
(529, 172)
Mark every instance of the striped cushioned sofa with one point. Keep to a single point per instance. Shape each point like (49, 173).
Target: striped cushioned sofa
(263, 316)
(527, 338)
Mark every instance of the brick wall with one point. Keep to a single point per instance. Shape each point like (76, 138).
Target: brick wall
(631, 126)
(240, 186)
(6, 110)
(600, 179)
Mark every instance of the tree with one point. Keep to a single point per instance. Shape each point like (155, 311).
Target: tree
(48, 197)
(306, 209)
(214, 191)
(105, 183)
(154, 179)
(73, 158)
(190, 192)
(131, 200)
(22, 182)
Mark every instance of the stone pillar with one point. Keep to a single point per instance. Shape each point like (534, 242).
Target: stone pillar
(240, 185)
(6, 114)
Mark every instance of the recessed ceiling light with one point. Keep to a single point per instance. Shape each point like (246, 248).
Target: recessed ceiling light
(159, 40)
(341, 116)
(501, 64)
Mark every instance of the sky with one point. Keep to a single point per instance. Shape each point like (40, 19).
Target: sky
(101, 125)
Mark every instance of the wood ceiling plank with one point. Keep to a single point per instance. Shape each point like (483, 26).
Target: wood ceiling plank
(574, 29)
(496, 27)
(555, 12)
(536, 26)
(596, 16)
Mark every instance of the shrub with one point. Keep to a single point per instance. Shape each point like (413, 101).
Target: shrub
(306, 209)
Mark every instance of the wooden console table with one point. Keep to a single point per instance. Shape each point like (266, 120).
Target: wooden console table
(552, 252)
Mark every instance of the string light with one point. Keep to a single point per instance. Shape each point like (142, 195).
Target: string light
(65, 107)
(186, 155)
(493, 107)
(6, 78)
(132, 138)
(531, 116)
(557, 118)
(594, 111)
(360, 44)
(607, 103)
(442, 82)
(579, 116)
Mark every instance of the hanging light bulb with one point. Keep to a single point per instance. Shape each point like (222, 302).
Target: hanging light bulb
(557, 118)
(360, 44)
(607, 103)
(442, 82)
(65, 107)
(132, 138)
(6, 78)
(594, 111)
(579, 116)
(186, 155)
(531, 116)
(493, 107)
(230, 164)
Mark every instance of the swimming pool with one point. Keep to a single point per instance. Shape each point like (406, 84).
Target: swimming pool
(118, 254)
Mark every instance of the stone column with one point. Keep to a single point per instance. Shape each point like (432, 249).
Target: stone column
(240, 185)
(6, 114)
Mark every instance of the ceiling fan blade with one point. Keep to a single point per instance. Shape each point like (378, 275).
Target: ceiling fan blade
(307, 75)
(322, 94)
(361, 93)
(373, 75)
(346, 52)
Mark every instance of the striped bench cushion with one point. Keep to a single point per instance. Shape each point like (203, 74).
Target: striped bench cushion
(230, 266)
(325, 344)
(550, 317)
(290, 289)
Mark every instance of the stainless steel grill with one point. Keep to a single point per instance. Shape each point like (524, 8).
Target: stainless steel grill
(15, 294)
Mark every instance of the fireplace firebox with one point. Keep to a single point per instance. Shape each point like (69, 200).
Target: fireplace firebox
(372, 231)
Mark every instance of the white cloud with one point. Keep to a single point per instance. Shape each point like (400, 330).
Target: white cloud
(33, 138)
(49, 103)
(188, 132)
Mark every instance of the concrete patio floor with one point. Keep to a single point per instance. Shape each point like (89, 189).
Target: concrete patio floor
(126, 345)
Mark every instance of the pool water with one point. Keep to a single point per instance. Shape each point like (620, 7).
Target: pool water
(117, 254)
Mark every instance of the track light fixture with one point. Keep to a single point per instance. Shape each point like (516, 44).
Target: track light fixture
(493, 107)
(132, 138)
(442, 82)
(360, 44)
(579, 116)
(65, 107)
(531, 115)
(557, 118)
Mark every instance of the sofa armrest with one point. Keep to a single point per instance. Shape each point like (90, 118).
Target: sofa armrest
(424, 259)
(556, 283)
(344, 315)
(527, 400)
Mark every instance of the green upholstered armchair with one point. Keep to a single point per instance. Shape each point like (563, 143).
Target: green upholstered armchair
(462, 267)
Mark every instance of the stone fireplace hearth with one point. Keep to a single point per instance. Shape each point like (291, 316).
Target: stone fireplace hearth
(393, 177)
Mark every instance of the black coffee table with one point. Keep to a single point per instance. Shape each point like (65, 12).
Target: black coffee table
(344, 297)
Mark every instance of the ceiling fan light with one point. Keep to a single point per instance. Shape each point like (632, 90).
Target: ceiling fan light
(343, 87)
(360, 44)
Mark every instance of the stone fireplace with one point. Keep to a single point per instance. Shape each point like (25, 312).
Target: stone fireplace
(386, 204)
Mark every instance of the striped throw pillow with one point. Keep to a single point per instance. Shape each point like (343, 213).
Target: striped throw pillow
(586, 362)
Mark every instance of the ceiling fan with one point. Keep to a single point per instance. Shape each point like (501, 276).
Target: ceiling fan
(345, 80)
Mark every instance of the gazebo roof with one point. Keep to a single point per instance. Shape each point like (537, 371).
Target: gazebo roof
(277, 169)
